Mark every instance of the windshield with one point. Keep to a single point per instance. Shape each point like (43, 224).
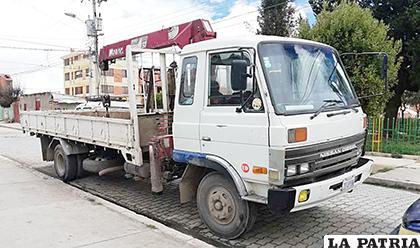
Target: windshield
(302, 77)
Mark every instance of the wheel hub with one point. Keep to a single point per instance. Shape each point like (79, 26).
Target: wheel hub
(60, 165)
(221, 205)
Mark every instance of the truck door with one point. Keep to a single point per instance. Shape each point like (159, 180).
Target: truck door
(240, 138)
(188, 105)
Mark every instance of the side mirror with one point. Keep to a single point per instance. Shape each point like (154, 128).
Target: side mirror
(239, 75)
(384, 68)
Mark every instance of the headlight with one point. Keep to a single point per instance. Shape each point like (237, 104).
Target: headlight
(291, 170)
(304, 168)
(359, 151)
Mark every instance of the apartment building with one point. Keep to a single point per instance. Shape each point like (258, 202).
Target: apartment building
(77, 74)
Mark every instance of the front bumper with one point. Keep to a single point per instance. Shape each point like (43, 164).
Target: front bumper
(405, 231)
(286, 200)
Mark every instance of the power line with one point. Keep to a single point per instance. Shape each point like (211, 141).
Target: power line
(200, 7)
(165, 16)
(38, 49)
(19, 63)
(36, 70)
(34, 42)
(254, 11)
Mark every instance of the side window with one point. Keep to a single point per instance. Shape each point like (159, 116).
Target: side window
(220, 87)
(188, 78)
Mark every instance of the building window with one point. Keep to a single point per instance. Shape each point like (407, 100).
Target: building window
(125, 90)
(37, 104)
(78, 74)
(124, 73)
(108, 73)
(76, 58)
(107, 89)
(188, 76)
(78, 90)
(66, 62)
(67, 76)
(87, 89)
(87, 73)
(67, 91)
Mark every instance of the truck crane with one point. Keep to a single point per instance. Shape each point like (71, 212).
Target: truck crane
(179, 36)
(257, 120)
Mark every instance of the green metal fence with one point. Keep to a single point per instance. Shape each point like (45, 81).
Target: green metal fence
(396, 135)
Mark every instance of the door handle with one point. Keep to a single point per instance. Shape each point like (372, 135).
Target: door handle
(221, 125)
(205, 138)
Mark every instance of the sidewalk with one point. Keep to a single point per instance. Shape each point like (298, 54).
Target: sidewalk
(39, 211)
(12, 125)
(394, 172)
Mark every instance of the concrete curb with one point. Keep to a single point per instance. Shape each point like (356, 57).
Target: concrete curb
(389, 155)
(10, 127)
(114, 207)
(390, 183)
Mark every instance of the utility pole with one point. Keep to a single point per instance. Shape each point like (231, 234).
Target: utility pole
(95, 37)
(94, 26)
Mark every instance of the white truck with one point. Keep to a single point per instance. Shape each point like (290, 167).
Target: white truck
(257, 120)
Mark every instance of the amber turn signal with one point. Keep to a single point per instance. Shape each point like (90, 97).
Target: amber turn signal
(297, 135)
(259, 170)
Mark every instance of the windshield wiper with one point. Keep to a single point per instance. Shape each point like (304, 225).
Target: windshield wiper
(327, 103)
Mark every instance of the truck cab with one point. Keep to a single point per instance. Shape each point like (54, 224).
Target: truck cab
(265, 120)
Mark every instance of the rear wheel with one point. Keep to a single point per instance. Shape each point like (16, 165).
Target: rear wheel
(222, 209)
(65, 165)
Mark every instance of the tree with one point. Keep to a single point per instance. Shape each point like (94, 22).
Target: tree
(276, 18)
(349, 28)
(319, 5)
(403, 19)
(9, 95)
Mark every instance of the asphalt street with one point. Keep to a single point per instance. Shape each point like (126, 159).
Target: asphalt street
(368, 210)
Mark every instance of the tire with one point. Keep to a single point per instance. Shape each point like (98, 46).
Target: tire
(65, 165)
(80, 171)
(221, 208)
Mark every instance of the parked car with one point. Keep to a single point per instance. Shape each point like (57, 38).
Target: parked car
(411, 220)
(92, 105)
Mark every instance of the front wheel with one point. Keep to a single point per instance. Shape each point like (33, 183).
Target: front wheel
(221, 208)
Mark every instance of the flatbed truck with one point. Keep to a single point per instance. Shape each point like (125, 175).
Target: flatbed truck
(257, 120)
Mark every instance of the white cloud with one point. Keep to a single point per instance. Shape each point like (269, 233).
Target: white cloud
(301, 10)
(43, 21)
(242, 19)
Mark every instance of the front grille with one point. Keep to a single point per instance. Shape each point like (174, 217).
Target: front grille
(326, 160)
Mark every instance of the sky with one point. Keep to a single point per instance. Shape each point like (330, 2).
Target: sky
(42, 24)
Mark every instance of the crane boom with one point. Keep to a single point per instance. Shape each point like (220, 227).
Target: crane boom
(179, 35)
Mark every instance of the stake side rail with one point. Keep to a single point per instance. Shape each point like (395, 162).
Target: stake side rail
(105, 132)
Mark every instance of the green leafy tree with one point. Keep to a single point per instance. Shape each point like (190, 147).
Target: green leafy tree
(9, 95)
(403, 19)
(319, 5)
(276, 18)
(349, 28)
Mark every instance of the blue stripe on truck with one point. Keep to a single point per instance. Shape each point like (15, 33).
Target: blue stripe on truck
(185, 156)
